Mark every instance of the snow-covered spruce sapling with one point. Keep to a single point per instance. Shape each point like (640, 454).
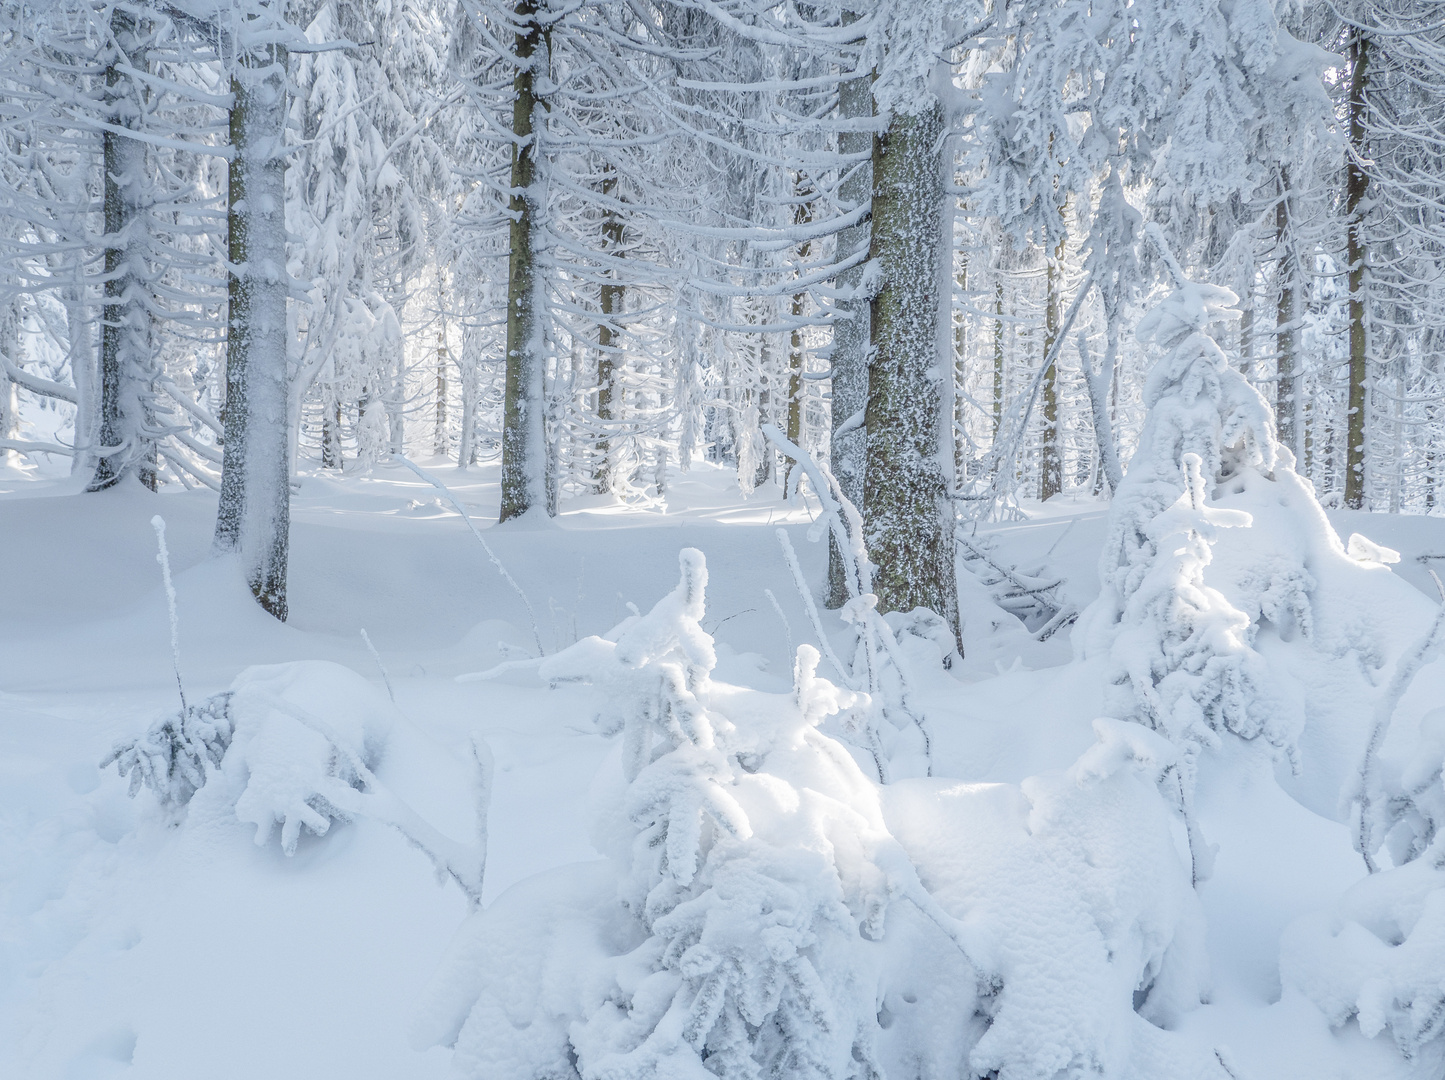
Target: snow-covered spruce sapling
(295, 746)
(1182, 654)
(760, 865)
(172, 756)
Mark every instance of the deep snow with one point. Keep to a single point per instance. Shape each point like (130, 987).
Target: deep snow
(132, 946)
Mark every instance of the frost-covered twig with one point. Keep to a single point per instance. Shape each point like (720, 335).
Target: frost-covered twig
(787, 627)
(402, 459)
(791, 558)
(164, 558)
(1417, 656)
(379, 665)
(171, 757)
(840, 514)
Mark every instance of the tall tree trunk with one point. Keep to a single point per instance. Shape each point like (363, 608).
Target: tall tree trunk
(524, 406)
(441, 435)
(9, 406)
(1051, 472)
(254, 517)
(127, 373)
(1432, 433)
(611, 298)
(467, 445)
(1286, 405)
(802, 215)
(331, 436)
(1356, 185)
(1099, 384)
(998, 357)
(849, 442)
(959, 415)
(83, 371)
(908, 519)
(1246, 327)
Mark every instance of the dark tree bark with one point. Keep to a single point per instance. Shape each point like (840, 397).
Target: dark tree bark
(908, 520)
(1356, 185)
(127, 366)
(254, 517)
(524, 440)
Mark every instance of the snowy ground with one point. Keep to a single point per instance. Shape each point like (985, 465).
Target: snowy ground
(132, 947)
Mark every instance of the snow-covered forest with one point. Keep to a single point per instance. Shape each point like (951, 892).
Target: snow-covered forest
(687, 539)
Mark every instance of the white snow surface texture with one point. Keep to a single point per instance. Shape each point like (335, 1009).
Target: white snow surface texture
(1123, 863)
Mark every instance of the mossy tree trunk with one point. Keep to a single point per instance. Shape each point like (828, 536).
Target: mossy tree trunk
(908, 519)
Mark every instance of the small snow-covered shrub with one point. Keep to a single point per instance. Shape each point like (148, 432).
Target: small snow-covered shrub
(755, 872)
(1411, 792)
(293, 740)
(1182, 653)
(1379, 958)
(306, 735)
(172, 757)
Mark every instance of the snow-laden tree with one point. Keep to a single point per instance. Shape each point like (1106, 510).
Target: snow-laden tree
(360, 199)
(110, 180)
(1182, 657)
(1118, 113)
(762, 913)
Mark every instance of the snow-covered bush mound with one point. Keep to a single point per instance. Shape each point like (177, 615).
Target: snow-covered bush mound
(1228, 602)
(296, 745)
(1076, 890)
(1378, 958)
(292, 742)
(757, 918)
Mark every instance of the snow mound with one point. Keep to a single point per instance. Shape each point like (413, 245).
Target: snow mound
(1075, 886)
(292, 741)
(1378, 958)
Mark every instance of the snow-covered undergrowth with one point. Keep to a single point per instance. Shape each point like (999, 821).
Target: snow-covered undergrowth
(758, 918)
(692, 867)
